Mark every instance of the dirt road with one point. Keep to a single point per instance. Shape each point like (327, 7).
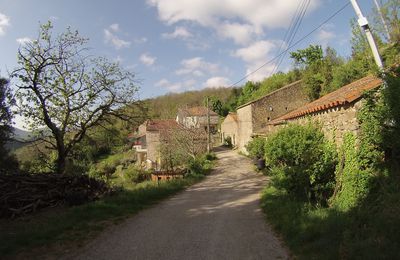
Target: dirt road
(219, 218)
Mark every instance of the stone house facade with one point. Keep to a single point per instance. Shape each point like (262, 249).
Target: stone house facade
(196, 117)
(230, 128)
(147, 139)
(336, 112)
(255, 115)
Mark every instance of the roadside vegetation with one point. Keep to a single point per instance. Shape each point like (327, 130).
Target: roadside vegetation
(340, 202)
(75, 225)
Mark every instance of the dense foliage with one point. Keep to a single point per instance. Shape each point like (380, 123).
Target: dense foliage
(303, 162)
(255, 147)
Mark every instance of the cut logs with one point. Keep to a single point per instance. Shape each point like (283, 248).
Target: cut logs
(21, 194)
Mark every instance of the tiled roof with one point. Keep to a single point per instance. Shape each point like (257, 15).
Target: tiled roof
(197, 111)
(269, 94)
(160, 124)
(342, 96)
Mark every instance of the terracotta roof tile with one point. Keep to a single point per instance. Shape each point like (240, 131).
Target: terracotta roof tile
(344, 95)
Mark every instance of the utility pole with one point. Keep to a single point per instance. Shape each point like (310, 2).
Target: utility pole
(208, 128)
(363, 22)
(378, 7)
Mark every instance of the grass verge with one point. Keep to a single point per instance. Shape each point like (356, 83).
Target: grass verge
(369, 231)
(81, 222)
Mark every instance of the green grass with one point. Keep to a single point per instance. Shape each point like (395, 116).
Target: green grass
(369, 231)
(84, 221)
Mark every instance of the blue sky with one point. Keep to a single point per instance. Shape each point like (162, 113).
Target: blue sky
(178, 45)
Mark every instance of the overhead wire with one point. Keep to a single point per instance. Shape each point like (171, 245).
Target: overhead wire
(292, 45)
(289, 32)
(293, 35)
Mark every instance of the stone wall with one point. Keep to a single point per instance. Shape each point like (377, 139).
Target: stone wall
(335, 122)
(153, 144)
(277, 104)
(229, 128)
(245, 127)
(255, 115)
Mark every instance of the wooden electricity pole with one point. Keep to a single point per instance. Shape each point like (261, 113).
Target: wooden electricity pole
(208, 127)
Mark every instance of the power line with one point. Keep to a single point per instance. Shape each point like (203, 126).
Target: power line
(293, 34)
(289, 31)
(293, 45)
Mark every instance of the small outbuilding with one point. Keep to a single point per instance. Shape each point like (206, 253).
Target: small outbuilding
(230, 128)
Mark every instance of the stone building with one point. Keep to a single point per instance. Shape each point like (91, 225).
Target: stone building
(196, 117)
(147, 139)
(336, 112)
(255, 115)
(230, 128)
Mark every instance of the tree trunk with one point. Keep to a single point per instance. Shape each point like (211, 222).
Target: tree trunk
(61, 156)
(61, 159)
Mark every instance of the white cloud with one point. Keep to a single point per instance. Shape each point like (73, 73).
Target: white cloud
(114, 27)
(147, 59)
(256, 14)
(111, 37)
(255, 56)
(216, 82)
(164, 83)
(176, 86)
(140, 40)
(197, 67)
(23, 40)
(256, 51)
(240, 33)
(179, 32)
(325, 35)
(4, 23)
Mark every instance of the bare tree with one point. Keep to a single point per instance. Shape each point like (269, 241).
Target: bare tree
(180, 144)
(60, 86)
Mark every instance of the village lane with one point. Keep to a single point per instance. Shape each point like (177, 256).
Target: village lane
(219, 218)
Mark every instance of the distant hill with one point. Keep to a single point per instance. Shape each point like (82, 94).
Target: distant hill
(22, 135)
(20, 138)
(166, 106)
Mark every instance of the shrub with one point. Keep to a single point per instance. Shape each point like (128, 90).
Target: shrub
(135, 174)
(228, 141)
(304, 161)
(256, 147)
(210, 156)
(201, 165)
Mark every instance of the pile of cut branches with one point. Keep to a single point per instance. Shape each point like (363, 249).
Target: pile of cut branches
(21, 194)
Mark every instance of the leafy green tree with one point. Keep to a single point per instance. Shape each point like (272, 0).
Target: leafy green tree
(390, 19)
(317, 69)
(247, 92)
(60, 86)
(308, 56)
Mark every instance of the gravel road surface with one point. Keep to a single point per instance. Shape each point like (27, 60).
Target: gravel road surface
(219, 218)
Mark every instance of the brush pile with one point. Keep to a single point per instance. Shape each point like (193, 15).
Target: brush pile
(21, 194)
